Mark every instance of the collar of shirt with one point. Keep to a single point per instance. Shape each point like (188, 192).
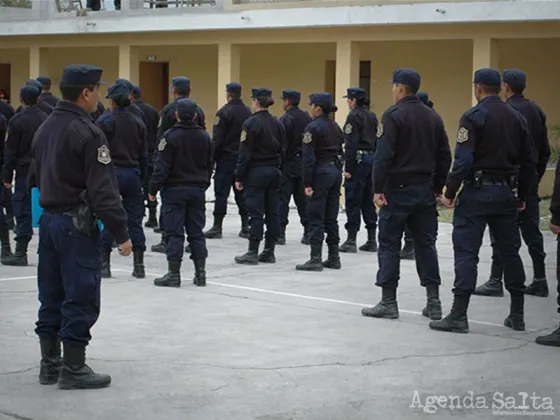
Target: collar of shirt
(72, 107)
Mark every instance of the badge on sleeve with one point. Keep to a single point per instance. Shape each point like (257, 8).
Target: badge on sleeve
(379, 130)
(348, 128)
(103, 155)
(162, 144)
(243, 135)
(462, 135)
(217, 121)
(307, 138)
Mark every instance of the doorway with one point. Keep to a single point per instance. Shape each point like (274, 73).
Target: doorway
(154, 81)
(5, 80)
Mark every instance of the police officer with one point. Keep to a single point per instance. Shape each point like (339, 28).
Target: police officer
(225, 138)
(258, 175)
(133, 108)
(42, 105)
(490, 178)
(17, 158)
(5, 247)
(99, 110)
(294, 120)
(182, 173)
(46, 95)
(6, 109)
(152, 121)
(322, 178)
(7, 112)
(513, 84)
(71, 166)
(360, 131)
(126, 135)
(411, 166)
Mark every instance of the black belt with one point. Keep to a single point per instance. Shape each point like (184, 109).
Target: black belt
(490, 182)
(366, 152)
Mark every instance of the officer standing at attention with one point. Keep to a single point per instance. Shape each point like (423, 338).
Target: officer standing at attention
(294, 120)
(258, 175)
(7, 112)
(72, 169)
(17, 158)
(46, 95)
(152, 121)
(513, 84)
(360, 132)
(182, 173)
(225, 138)
(5, 247)
(6, 109)
(322, 178)
(133, 108)
(126, 136)
(494, 157)
(411, 165)
(42, 105)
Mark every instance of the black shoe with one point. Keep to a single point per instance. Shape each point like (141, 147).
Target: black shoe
(552, 339)
(305, 237)
(173, 276)
(152, 221)
(371, 243)
(187, 249)
(6, 248)
(215, 232)
(160, 248)
(51, 360)
(106, 267)
(251, 257)
(139, 270)
(515, 319)
(19, 257)
(350, 244)
(75, 374)
(281, 239)
(539, 287)
(387, 307)
(244, 232)
(199, 272)
(314, 263)
(267, 255)
(10, 222)
(407, 252)
(493, 287)
(457, 320)
(433, 304)
(333, 258)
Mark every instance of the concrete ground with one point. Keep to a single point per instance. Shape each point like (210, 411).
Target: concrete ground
(271, 343)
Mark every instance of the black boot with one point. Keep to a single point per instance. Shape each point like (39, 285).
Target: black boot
(267, 255)
(333, 258)
(50, 360)
(173, 276)
(75, 374)
(433, 304)
(160, 248)
(516, 320)
(6, 249)
(539, 287)
(350, 244)
(187, 249)
(158, 229)
(199, 272)
(305, 237)
(315, 263)
(215, 232)
(106, 267)
(152, 221)
(457, 320)
(251, 257)
(387, 307)
(552, 339)
(19, 257)
(371, 243)
(10, 217)
(282, 238)
(139, 270)
(407, 252)
(493, 287)
(244, 232)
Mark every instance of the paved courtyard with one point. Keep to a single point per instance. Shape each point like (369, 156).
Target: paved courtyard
(271, 343)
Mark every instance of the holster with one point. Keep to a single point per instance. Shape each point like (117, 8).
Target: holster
(83, 218)
(339, 162)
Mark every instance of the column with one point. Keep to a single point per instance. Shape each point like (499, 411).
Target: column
(229, 68)
(347, 74)
(34, 62)
(485, 54)
(128, 63)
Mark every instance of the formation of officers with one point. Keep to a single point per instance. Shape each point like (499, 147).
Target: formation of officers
(98, 171)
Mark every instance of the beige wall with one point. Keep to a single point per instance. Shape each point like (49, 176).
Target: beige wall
(19, 63)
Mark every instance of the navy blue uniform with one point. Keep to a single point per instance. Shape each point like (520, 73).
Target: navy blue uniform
(7, 110)
(42, 105)
(555, 211)
(98, 112)
(49, 98)
(4, 229)
(167, 117)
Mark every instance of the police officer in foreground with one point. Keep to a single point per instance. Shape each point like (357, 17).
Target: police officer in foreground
(72, 168)
(258, 175)
(411, 165)
(360, 130)
(513, 84)
(17, 158)
(7, 112)
(5, 246)
(294, 120)
(322, 178)
(152, 121)
(42, 105)
(46, 95)
(494, 158)
(182, 173)
(126, 136)
(225, 138)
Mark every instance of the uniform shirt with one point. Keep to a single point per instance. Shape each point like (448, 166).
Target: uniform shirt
(555, 201)
(98, 112)
(135, 110)
(126, 135)
(3, 130)
(322, 143)
(184, 158)
(536, 123)
(493, 138)
(261, 143)
(152, 121)
(49, 98)
(167, 117)
(294, 120)
(412, 147)
(70, 155)
(17, 150)
(360, 131)
(227, 128)
(7, 110)
(42, 105)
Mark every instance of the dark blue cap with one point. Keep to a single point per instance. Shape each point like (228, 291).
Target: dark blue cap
(516, 78)
(136, 90)
(181, 82)
(126, 83)
(488, 77)
(186, 108)
(408, 77)
(34, 83)
(261, 93)
(234, 88)
(291, 94)
(355, 93)
(322, 98)
(118, 89)
(81, 75)
(29, 94)
(44, 80)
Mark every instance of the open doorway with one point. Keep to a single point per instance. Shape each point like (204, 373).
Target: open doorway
(5, 80)
(154, 81)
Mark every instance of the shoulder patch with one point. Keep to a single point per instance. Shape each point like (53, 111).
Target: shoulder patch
(243, 136)
(307, 137)
(462, 135)
(379, 130)
(103, 155)
(348, 128)
(217, 120)
(162, 144)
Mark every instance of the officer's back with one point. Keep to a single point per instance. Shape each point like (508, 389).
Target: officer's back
(294, 120)
(264, 139)
(43, 105)
(326, 139)
(46, 95)
(7, 110)
(152, 117)
(132, 107)
(229, 123)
